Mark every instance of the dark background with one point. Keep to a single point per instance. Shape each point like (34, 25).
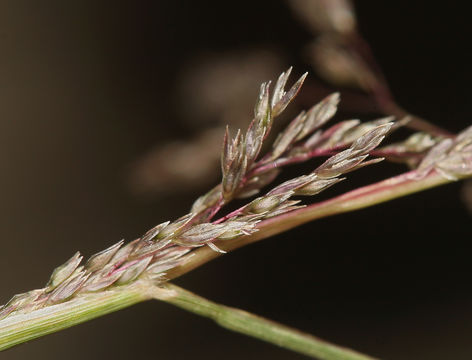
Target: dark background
(88, 87)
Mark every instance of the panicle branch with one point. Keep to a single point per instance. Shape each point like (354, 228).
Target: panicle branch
(244, 173)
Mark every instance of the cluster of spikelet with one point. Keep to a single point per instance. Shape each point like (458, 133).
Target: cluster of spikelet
(244, 174)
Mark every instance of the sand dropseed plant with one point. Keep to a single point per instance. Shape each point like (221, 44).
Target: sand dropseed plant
(125, 274)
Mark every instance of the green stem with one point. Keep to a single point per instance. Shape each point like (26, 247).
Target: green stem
(19, 328)
(260, 328)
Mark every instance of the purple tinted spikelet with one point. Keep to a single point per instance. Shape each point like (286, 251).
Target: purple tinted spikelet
(450, 157)
(244, 173)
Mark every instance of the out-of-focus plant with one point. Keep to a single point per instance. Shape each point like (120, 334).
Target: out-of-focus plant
(213, 93)
(341, 56)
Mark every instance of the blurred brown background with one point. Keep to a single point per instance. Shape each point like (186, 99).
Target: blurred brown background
(87, 88)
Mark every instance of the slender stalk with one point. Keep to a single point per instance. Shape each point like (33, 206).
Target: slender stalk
(363, 197)
(382, 93)
(416, 123)
(260, 328)
(19, 328)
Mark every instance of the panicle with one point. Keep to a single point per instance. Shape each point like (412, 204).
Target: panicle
(244, 174)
